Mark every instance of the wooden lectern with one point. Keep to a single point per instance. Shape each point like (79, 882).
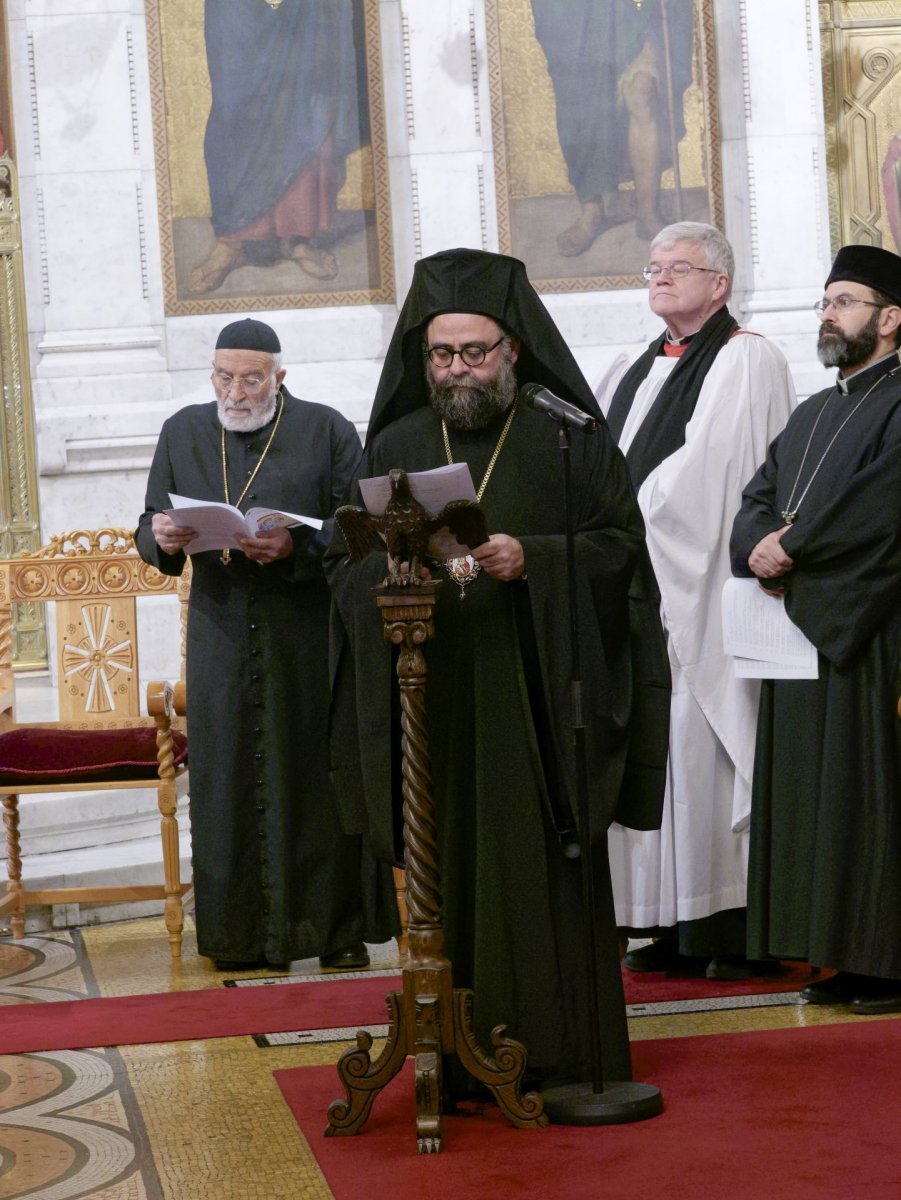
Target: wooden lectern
(429, 1018)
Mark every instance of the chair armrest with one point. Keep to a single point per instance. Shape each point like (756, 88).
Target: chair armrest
(160, 700)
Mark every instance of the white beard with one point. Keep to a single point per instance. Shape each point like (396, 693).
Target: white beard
(244, 417)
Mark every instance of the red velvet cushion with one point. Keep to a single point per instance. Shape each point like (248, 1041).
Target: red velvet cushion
(29, 756)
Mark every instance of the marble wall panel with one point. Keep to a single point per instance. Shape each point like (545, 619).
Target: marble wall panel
(92, 247)
(82, 63)
(440, 44)
(449, 202)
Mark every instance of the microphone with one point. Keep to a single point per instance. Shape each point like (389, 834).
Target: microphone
(535, 396)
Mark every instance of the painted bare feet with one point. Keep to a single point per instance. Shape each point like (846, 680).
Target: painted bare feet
(321, 264)
(582, 233)
(223, 259)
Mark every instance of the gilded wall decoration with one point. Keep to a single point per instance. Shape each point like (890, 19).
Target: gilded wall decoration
(605, 129)
(19, 512)
(270, 151)
(861, 50)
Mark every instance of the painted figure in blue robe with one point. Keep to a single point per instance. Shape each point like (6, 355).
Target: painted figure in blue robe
(288, 107)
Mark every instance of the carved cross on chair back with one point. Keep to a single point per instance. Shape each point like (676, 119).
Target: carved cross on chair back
(95, 579)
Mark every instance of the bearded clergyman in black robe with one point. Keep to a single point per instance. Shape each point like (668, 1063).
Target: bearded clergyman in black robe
(275, 878)
(820, 526)
(498, 699)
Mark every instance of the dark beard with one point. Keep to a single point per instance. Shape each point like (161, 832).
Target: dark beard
(474, 405)
(847, 351)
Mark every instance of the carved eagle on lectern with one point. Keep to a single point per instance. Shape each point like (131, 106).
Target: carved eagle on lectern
(407, 528)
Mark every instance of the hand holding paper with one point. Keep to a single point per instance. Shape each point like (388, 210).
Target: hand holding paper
(218, 526)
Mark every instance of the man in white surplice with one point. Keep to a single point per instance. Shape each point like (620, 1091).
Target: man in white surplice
(694, 416)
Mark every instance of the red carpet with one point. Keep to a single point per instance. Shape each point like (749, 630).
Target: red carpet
(184, 1016)
(280, 1008)
(656, 987)
(800, 1114)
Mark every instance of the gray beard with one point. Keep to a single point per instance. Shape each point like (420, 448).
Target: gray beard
(473, 406)
(845, 352)
(247, 420)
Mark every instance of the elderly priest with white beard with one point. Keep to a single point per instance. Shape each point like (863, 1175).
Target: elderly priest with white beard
(472, 332)
(275, 876)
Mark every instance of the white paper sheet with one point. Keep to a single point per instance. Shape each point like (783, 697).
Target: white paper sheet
(761, 636)
(433, 489)
(219, 526)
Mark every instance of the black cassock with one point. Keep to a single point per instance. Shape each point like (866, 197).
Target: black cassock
(275, 877)
(825, 866)
(498, 706)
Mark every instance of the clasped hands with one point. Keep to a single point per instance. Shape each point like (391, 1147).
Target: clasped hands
(768, 560)
(264, 548)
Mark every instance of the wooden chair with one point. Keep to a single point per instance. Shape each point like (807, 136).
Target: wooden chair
(101, 741)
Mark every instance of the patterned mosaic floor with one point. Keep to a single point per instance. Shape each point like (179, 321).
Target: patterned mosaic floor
(199, 1120)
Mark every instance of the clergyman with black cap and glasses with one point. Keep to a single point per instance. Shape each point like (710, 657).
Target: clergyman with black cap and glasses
(275, 877)
(820, 526)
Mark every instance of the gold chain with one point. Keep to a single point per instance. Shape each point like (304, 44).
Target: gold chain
(226, 554)
(492, 460)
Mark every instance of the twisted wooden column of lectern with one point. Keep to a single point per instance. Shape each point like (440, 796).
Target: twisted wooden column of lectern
(430, 1018)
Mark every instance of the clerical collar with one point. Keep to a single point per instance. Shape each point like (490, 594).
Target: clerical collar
(680, 341)
(859, 379)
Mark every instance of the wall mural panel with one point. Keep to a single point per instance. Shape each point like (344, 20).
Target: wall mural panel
(270, 152)
(861, 49)
(605, 129)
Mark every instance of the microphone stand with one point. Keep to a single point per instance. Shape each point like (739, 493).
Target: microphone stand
(592, 1102)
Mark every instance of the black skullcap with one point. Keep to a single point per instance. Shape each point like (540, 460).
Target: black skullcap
(870, 265)
(249, 335)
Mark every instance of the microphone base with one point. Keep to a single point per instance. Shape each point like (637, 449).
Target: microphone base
(617, 1104)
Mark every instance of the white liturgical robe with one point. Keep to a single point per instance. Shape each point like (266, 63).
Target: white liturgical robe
(696, 864)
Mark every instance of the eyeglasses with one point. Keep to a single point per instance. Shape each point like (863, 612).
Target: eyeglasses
(473, 355)
(843, 302)
(251, 385)
(677, 270)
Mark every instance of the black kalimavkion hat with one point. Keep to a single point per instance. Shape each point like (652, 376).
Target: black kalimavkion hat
(870, 265)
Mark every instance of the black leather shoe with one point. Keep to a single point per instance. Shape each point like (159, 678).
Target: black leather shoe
(345, 960)
(662, 955)
(881, 996)
(840, 988)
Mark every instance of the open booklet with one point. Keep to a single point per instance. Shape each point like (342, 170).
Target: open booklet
(434, 490)
(219, 526)
(761, 636)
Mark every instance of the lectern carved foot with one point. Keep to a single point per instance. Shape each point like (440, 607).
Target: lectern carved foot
(362, 1078)
(501, 1072)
